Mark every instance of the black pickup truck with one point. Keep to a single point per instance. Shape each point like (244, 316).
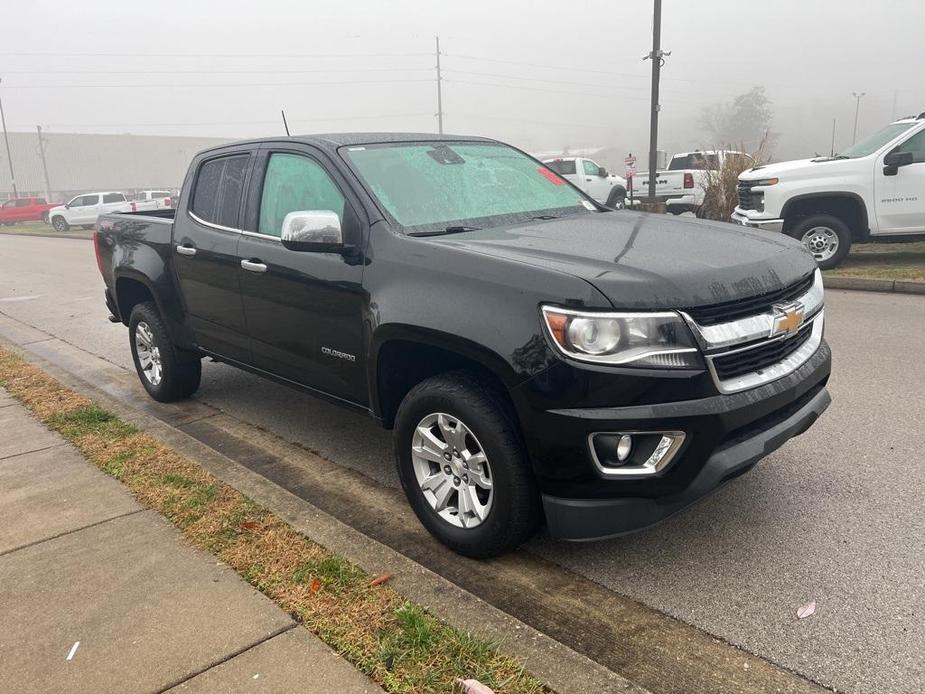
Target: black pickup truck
(537, 355)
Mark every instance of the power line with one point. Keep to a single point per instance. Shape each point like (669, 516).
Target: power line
(215, 72)
(147, 85)
(211, 55)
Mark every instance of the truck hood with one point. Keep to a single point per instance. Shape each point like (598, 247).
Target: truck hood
(799, 169)
(650, 261)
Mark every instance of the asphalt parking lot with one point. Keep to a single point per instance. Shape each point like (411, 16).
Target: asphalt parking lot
(835, 516)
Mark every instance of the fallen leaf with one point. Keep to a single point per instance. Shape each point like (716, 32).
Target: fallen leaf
(473, 687)
(379, 580)
(314, 586)
(249, 525)
(806, 610)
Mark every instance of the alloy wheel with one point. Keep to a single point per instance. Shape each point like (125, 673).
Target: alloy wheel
(149, 354)
(452, 470)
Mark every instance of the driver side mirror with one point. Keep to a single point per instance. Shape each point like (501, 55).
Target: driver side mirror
(602, 172)
(312, 230)
(893, 160)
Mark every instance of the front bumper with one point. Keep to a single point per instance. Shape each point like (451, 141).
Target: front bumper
(593, 519)
(739, 217)
(726, 435)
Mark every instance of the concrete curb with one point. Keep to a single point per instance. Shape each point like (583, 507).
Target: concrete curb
(556, 665)
(867, 284)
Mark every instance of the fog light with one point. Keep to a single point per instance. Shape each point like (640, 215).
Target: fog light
(624, 447)
(634, 452)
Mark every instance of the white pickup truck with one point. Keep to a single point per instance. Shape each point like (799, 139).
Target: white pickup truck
(607, 188)
(873, 191)
(83, 210)
(145, 200)
(683, 184)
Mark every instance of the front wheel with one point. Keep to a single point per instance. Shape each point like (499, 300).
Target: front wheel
(828, 238)
(463, 467)
(60, 224)
(167, 374)
(617, 199)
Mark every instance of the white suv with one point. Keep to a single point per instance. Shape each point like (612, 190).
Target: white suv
(873, 191)
(83, 210)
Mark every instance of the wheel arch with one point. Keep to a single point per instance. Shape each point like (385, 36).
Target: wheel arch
(847, 206)
(401, 356)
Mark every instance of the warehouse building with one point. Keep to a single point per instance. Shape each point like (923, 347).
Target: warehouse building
(77, 163)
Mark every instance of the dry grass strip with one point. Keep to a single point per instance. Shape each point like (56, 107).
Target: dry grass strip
(397, 643)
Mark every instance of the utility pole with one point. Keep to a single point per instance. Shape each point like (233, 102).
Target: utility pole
(6, 141)
(832, 153)
(657, 56)
(857, 110)
(439, 91)
(38, 129)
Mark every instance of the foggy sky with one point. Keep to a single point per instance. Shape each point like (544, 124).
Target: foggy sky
(543, 75)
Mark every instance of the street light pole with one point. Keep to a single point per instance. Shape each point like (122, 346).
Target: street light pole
(6, 140)
(657, 56)
(857, 110)
(439, 91)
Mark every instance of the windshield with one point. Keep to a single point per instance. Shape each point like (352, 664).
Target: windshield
(876, 141)
(437, 186)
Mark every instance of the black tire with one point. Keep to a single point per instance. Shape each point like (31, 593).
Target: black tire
(60, 224)
(515, 512)
(45, 219)
(180, 371)
(617, 199)
(824, 226)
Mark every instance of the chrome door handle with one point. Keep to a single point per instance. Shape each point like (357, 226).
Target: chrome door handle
(186, 250)
(252, 266)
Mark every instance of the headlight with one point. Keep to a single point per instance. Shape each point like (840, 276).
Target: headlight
(765, 182)
(631, 339)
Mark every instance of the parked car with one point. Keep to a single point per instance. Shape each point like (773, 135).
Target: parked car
(873, 191)
(25, 210)
(606, 188)
(151, 200)
(83, 210)
(682, 186)
(535, 353)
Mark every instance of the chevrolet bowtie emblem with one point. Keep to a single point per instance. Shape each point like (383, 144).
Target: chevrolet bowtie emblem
(787, 318)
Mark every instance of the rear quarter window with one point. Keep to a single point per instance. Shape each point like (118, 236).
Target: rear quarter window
(563, 167)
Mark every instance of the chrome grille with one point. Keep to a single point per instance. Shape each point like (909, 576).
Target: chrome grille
(758, 340)
(733, 310)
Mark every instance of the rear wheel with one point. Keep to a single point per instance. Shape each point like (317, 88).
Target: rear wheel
(59, 224)
(45, 217)
(463, 467)
(165, 372)
(828, 238)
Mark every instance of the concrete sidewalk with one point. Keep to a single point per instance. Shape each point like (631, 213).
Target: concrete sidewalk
(99, 594)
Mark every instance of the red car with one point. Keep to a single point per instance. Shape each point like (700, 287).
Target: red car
(25, 210)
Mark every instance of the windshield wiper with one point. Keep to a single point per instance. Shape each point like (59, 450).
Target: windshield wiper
(841, 156)
(546, 216)
(453, 229)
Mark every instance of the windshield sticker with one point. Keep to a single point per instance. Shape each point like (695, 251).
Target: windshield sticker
(550, 176)
(442, 154)
(587, 205)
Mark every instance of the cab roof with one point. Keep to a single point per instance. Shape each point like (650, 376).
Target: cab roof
(332, 141)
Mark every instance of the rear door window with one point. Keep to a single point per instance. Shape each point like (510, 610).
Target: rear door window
(24, 202)
(113, 197)
(219, 189)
